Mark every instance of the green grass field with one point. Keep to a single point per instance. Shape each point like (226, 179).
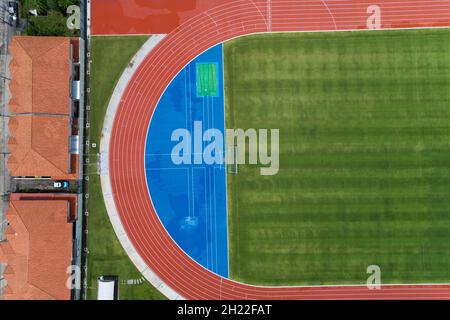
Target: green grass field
(110, 56)
(364, 178)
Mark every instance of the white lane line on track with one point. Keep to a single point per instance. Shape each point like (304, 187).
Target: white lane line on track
(331, 14)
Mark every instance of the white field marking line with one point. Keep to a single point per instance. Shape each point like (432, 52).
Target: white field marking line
(169, 154)
(342, 30)
(213, 188)
(209, 16)
(210, 108)
(206, 223)
(348, 3)
(392, 20)
(286, 24)
(206, 202)
(186, 84)
(222, 79)
(162, 168)
(225, 166)
(436, 8)
(353, 9)
(269, 15)
(257, 8)
(189, 100)
(210, 195)
(227, 6)
(193, 192)
(331, 14)
(392, 14)
(189, 192)
(187, 124)
(323, 11)
(211, 220)
(214, 176)
(396, 12)
(208, 199)
(215, 214)
(210, 244)
(186, 98)
(351, 14)
(397, 28)
(347, 14)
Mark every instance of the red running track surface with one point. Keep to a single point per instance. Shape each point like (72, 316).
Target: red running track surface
(127, 173)
(144, 16)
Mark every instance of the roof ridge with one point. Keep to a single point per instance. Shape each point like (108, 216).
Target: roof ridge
(42, 155)
(58, 45)
(31, 284)
(18, 217)
(13, 81)
(15, 39)
(46, 159)
(61, 42)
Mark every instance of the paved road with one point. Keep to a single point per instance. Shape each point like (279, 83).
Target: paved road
(6, 33)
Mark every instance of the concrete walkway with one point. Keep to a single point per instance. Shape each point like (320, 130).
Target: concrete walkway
(104, 170)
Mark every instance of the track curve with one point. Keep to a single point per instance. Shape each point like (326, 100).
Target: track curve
(127, 169)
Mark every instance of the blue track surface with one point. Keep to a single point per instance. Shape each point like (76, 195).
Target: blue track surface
(190, 199)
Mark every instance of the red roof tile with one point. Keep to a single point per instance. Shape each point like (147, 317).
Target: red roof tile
(39, 146)
(41, 250)
(40, 128)
(40, 70)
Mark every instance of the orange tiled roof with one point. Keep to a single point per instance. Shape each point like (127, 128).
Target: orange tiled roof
(40, 70)
(40, 128)
(38, 250)
(70, 197)
(39, 146)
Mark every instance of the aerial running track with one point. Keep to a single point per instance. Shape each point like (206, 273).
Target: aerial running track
(225, 21)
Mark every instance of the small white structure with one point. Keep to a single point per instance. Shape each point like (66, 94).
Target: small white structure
(107, 288)
(76, 90)
(75, 144)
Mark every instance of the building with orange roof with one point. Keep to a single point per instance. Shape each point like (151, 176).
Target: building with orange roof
(38, 250)
(44, 106)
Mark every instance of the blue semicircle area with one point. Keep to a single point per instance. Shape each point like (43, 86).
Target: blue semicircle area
(190, 199)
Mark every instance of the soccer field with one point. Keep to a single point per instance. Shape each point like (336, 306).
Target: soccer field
(364, 177)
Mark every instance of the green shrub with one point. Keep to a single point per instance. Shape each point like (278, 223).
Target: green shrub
(52, 17)
(52, 25)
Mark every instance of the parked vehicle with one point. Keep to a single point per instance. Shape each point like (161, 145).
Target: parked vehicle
(61, 184)
(13, 10)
